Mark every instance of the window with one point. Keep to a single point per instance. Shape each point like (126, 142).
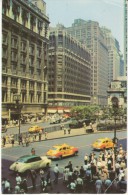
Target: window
(4, 38)
(23, 45)
(14, 42)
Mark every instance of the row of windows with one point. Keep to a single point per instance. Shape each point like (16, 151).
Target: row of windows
(69, 44)
(68, 97)
(23, 45)
(26, 17)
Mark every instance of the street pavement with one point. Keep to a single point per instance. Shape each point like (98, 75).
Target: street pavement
(61, 134)
(57, 135)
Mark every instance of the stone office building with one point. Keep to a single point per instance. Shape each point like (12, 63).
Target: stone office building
(69, 71)
(90, 34)
(24, 55)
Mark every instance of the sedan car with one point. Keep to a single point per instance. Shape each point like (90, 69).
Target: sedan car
(103, 143)
(29, 162)
(60, 151)
(35, 129)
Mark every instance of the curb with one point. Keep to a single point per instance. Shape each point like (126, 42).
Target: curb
(97, 132)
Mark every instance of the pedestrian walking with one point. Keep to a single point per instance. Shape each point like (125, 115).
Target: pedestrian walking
(48, 179)
(99, 186)
(93, 170)
(18, 178)
(79, 184)
(82, 172)
(86, 158)
(43, 185)
(64, 131)
(56, 173)
(40, 134)
(33, 178)
(33, 151)
(3, 141)
(107, 184)
(17, 188)
(7, 187)
(24, 185)
(109, 164)
(27, 141)
(3, 185)
(69, 131)
(70, 166)
(20, 139)
(45, 133)
(65, 175)
(117, 168)
(72, 187)
(12, 140)
(41, 173)
(62, 126)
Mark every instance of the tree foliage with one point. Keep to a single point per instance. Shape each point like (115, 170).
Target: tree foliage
(88, 112)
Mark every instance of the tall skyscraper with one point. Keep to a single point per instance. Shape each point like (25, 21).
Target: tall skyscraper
(90, 34)
(69, 71)
(113, 55)
(24, 55)
(125, 35)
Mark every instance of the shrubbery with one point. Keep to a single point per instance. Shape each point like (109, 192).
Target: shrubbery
(110, 126)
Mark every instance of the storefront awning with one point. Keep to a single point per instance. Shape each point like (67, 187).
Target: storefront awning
(52, 111)
(60, 111)
(32, 114)
(5, 117)
(67, 111)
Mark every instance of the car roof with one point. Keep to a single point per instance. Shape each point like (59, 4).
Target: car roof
(106, 138)
(27, 157)
(60, 145)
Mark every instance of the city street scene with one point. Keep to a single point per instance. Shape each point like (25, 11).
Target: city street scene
(64, 97)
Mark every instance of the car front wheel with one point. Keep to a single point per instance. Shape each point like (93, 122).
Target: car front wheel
(76, 153)
(60, 157)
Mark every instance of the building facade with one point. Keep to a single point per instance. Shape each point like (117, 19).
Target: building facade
(114, 57)
(90, 34)
(24, 56)
(118, 90)
(69, 71)
(125, 35)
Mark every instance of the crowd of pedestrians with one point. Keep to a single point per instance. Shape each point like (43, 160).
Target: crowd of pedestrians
(105, 173)
(23, 139)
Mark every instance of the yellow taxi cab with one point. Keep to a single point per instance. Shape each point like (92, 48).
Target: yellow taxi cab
(62, 150)
(35, 129)
(103, 143)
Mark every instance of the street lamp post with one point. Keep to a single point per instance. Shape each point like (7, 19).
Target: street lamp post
(18, 106)
(115, 106)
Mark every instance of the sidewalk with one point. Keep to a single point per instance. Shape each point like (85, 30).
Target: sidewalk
(60, 134)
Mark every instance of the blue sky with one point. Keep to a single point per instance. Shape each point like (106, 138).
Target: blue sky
(108, 13)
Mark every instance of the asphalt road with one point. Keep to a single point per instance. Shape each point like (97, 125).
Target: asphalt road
(82, 142)
(25, 127)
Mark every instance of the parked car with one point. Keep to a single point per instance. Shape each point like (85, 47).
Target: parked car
(75, 124)
(35, 129)
(62, 150)
(55, 120)
(28, 162)
(80, 123)
(103, 143)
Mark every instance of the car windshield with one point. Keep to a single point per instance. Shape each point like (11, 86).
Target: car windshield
(98, 141)
(21, 160)
(53, 148)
